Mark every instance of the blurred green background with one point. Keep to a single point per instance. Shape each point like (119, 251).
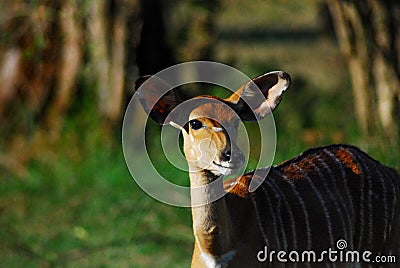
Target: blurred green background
(66, 196)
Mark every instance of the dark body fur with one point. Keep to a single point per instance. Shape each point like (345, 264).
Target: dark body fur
(321, 196)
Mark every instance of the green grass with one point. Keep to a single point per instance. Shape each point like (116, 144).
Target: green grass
(87, 211)
(81, 208)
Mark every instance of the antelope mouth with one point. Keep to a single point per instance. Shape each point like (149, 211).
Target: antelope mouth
(226, 169)
(229, 166)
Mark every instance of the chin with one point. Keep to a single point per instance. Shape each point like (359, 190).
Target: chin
(225, 171)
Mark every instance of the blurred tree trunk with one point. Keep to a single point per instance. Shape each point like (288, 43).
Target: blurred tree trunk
(153, 52)
(195, 23)
(48, 52)
(107, 38)
(194, 36)
(68, 66)
(57, 55)
(369, 36)
(9, 75)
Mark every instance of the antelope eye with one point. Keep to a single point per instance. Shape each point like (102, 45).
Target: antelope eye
(195, 124)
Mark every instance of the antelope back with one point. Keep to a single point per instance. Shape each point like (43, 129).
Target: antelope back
(327, 194)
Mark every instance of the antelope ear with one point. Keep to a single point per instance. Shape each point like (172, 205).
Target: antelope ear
(260, 96)
(156, 97)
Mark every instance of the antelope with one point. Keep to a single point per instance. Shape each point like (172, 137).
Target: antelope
(306, 203)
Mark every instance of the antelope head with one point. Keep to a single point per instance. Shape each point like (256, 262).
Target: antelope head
(209, 124)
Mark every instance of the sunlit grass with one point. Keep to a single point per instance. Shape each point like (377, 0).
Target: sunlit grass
(88, 213)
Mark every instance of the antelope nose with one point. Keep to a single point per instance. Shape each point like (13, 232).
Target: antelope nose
(234, 157)
(226, 155)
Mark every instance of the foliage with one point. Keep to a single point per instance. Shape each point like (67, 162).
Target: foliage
(82, 208)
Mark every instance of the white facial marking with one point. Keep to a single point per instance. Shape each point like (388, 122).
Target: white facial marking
(217, 129)
(172, 123)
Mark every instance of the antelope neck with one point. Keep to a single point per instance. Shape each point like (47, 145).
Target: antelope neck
(211, 221)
